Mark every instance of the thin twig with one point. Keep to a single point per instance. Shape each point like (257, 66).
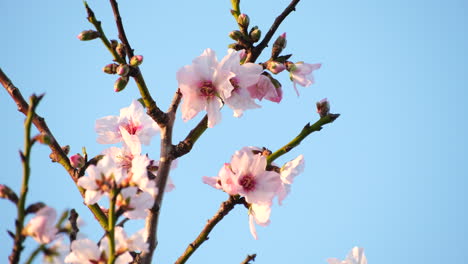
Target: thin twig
(224, 209)
(249, 258)
(257, 50)
(306, 131)
(57, 152)
(120, 28)
(186, 145)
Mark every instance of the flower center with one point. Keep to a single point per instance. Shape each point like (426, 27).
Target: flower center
(247, 182)
(235, 84)
(207, 89)
(132, 128)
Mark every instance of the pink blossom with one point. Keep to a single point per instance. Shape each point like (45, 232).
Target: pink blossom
(100, 179)
(85, 251)
(355, 256)
(132, 119)
(133, 243)
(259, 214)
(42, 226)
(264, 88)
(301, 73)
(287, 174)
(77, 161)
(246, 75)
(204, 86)
(136, 205)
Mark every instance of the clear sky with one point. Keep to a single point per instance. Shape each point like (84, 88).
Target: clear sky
(389, 175)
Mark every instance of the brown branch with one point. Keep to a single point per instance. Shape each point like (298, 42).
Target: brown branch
(224, 209)
(58, 154)
(186, 145)
(257, 50)
(249, 258)
(120, 28)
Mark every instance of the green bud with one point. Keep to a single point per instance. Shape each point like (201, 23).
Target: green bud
(120, 49)
(255, 34)
(235, 35)
(123, 70)
(114, 43)
(243, 20)
(88, 35)
(136, 60)
(278, 46)
(110, 68)
(120, 83)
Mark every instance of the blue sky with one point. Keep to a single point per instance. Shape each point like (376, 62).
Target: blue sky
(389, 175)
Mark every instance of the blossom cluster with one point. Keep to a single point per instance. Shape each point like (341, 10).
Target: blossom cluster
(249, 175)
(207, 84)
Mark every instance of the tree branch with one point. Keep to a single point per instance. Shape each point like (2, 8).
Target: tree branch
(224, 209)
(306, 131)
(249, 258)
(186, 145)
(257, 50)
(58, 154)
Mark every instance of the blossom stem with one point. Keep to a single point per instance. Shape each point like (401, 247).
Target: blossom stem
(35, 253)
(58, 155)
(306, 131)
(224, 209)
(25, 158)
(257, 50)
(111, 225)
(97, 24)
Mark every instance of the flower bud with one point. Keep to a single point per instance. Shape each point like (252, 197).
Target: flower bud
(120, 84)
(43, 138)
(88, 35)
(255, 34)
(243, 20)
(275, 67)
(235, 46)
(7, 193)
(120, 49)
(235, 35)
(136, 60)
(323, 107)
(278, 45)
(122, 70)
(110, 68)
(77, 161)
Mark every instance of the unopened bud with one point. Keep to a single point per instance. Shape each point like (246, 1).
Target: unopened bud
(77, 161)
(43, 138)
(243, 20)
(110, 68)
(275, 67)
(136, 60)
(323, 107)
(255, 34)
(123, 70)
(7, 193)
(114, 43)
(66, 149)
(33, 208)
(88, 35)
(235, 46)
(120, 84)
(120, 49)
(235, 35)
(278, 45)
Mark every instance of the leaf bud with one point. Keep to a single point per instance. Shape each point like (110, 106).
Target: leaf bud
(7, 193)
(120, 49)
(88, 35)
